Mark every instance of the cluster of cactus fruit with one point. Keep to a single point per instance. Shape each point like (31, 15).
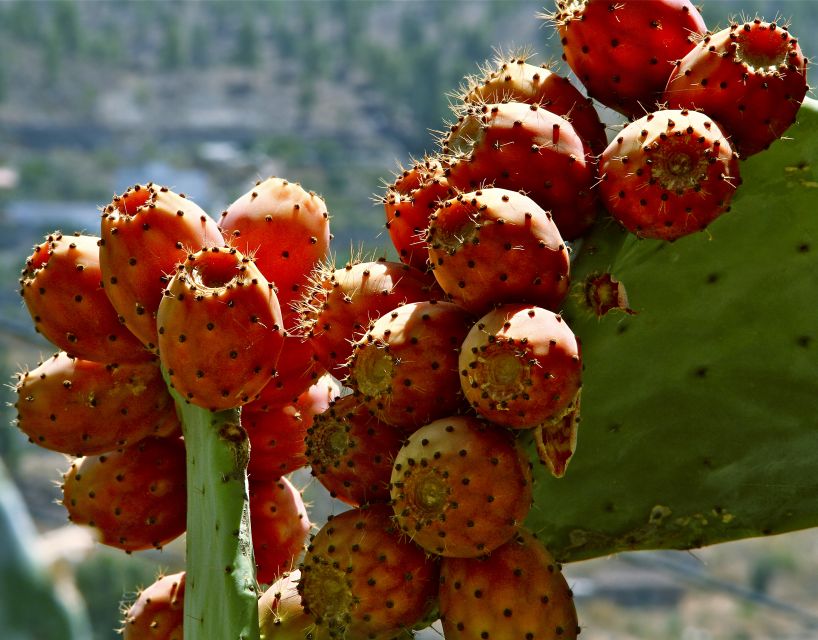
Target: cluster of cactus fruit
(410, 388)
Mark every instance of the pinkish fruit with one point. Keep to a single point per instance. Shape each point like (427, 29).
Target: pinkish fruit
(158, 612)
(511, 78)
(520, 366)
(134, 498)
(220, 329)
(284, 228)
(525, 147)
(494, 246)
(145, 232)
(61, 285)
(408, 202)
(517, 591)
(340, 304)
(669, 174)
(405, 368)
(297, 368)
(277, 432)
(280, 525)
(351, 452)
(82, 408)
(750, 78)
(623, 52)
(461, 487)
(359, 579)
(281, 616)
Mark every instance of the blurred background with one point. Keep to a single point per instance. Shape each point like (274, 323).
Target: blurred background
(208, 96)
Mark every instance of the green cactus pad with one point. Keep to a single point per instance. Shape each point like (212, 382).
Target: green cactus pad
(699, 421)
(221, 590)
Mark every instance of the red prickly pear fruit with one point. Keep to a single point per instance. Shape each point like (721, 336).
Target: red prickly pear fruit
(61, 285)
(359, 579)
(351, 452)
(525, 147)
(520, 366)
(495, 246)
(511, 78)
(405, 368)
(146, 231)
(277, 432)
(134, 498)
(461, 487)
(280, 614)
(80, 407)
(669, 174)
(751, 78)
(557, 441)
(408, 203)
(158, 612)
(284, 228)
(283, 390)
(296, 371)
(280, 526)
(517, 591)
(220, 329)
(340, 304)
(623, 52)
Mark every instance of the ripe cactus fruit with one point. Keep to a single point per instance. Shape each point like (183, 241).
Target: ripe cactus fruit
(134, 497)
(525, 147)
(280, 526)
(284, 228)
(158, 612)
(80, 407)
(494, 246)
(405, 368)
(351, 452)
(280, 614)
(751, 78)
(277, 432)
(517, 591)
(296, 369)
(220, 329)
(408, 203)
(61, 285)
(669, 174)
(340, 304)
(146, 231)
(511, 78)
(520, 366)
(623, 52)
(359, 579)
(461, 487)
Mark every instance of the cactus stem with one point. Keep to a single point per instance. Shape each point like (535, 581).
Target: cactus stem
(221, 592)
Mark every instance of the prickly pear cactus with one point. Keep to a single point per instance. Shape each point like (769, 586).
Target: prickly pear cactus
(698, 421)
(220, 594)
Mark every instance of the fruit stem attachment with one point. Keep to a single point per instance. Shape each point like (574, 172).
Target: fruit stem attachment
(221, 588)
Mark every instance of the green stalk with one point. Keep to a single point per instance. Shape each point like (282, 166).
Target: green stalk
(220, 586)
